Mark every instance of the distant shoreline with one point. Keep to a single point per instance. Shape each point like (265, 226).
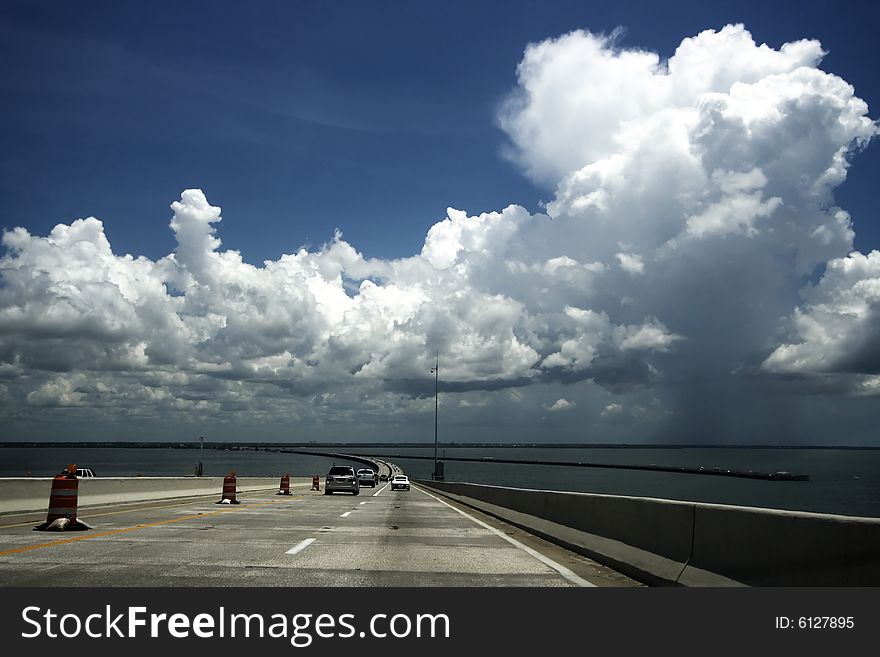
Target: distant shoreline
(443, 445)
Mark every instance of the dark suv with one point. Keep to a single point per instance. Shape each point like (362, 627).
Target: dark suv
(341, 477)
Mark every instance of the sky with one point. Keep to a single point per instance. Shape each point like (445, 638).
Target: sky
(616, 222)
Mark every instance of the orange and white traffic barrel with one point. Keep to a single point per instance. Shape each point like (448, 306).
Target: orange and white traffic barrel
(316, 483)
(228, 496)
(63, 501)
(284, 489)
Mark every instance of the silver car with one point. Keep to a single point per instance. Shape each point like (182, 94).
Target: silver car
(367, 477)
(341, 478)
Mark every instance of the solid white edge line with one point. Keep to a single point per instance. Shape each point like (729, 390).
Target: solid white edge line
(559, 568)
(299, 547)
(346, 514)
(380, 490)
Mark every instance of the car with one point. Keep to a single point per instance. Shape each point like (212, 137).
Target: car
(367, 477)
(341, 478)
(400, 482)
(84, 472)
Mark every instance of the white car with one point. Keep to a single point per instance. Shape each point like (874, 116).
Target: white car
(400, 482)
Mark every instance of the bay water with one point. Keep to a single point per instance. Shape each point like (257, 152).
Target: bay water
(841, 481)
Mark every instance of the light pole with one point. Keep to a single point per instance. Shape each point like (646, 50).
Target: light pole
(437, 476)
(201, 450)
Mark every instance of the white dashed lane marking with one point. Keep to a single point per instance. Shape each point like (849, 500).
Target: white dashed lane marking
(299, 547)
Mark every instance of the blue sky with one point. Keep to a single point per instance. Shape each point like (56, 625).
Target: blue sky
(661, 227)
(303, 117)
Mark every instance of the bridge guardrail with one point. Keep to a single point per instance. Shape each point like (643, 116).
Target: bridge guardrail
(669, 542)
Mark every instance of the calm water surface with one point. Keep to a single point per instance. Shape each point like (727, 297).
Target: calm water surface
(841, 481)
(846, 482)
(157, 462)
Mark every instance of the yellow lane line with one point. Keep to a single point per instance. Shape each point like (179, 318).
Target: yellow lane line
(109, 513)
(116, 513)
(28, 548)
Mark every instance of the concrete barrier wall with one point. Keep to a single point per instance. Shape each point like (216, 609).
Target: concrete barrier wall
(692, 544)
(647, 539)
(769, 547)
(20, 494)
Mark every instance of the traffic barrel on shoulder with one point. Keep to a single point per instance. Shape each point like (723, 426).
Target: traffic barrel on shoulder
(63, 501)
(228, 496)
(316, 483)
(284, 489)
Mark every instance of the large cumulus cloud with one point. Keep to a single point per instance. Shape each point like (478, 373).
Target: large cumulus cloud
(693, 202)
(837, 327)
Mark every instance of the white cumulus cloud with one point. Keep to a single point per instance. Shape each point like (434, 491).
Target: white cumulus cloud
(560, 405)
(836, 330)
(693, 196)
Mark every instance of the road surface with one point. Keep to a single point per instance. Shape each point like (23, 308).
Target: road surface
(378, 538)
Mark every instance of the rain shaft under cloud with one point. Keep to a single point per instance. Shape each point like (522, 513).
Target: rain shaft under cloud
(691, 279)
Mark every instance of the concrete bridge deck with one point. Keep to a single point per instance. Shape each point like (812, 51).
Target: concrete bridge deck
(379, 538)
